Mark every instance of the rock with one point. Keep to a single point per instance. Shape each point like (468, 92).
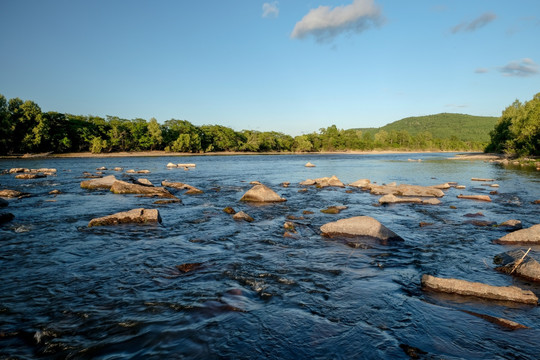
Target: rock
(136, 216)
(528, 269)
(334, 209)
(229, 210)
(143, 182)
(88, 175)
(480, 290)
(30, 176)
(307, 212)
(309, 164)
(189, 267)
(6, 217)
(524, 236)
(481, 222)
(55, 192)
(494, 185)
(478, 214)
(191, 190)
(171, 165)
(308, 182)
(118, 168)
(405, 190)
(168, 201)
(475, 197)
(536, 202)
(422, 224)
(186, 165)
(101, 168)
(122, 187)
(130, 171)
(414, 160)
(242, 216)
(482, 179)
(285, 184)
(512, 225)
(431, 201)
(509, 324)
(261, 193)
(288, 225)
(359, 226)
(442, 186)
(362, 183)
(100, 183)
(255, 182)
(329, 181)
(18, 170)
(461, 187)
(6, 193)
(3, 203)
(392, 199)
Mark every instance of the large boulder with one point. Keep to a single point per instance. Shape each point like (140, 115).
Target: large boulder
(135, 216)
(122, 187)
(524, 236)
(515, 262)
(359, 226)
(480, 290)
(100, 183)
(261, 193)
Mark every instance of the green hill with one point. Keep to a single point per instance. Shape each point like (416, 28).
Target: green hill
(445, 125)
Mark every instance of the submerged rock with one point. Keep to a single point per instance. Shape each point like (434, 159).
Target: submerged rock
(135, 216)
(524, 236)
(191, 190)
(100, 183)
(6, 217)
(334, 209)
(511, 225)
(480, 290)
(229, 210)
(261, 193)
(527, 267)
(168, 201)
(187, 267)
(475, 197)
(122, 187)
(359, 226)
(242, 216)
(509, 324)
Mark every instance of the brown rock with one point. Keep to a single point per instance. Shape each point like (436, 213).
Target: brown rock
(189, 267)
(309, 164)
(261, 193)
(392, 199)
(509, 324)
(334, 209)
(308, 182)
(512, 225)
(528, 268)
(422, 224)
(101, 168)
(191, 190)
(524, 236)
(482, 179)
(359, 226)
(290, 226)
(100, 183)
(122, 187)
(186, 165)
(431, 201)
(475, 197)
(18, 170)
(135, 216)
(168, 201)
(442, 186)
(242, 216)
(229, 210)
(6, 193)
(362, 183)
(329, 181)
(28, 176)
(405, 190)
(143, 182)
(55, 192)
(480, 290)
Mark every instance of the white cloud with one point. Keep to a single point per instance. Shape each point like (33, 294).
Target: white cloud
(325, 23)
(270, 9)
(522, 68)
(476, 24)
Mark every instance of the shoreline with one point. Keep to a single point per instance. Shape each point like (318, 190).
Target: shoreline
(161, 153)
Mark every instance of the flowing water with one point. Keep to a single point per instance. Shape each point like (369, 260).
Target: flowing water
(115, 292)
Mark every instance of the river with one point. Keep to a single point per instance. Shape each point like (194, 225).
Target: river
(115, 292)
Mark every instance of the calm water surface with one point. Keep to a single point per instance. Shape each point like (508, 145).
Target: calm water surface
(69, 291)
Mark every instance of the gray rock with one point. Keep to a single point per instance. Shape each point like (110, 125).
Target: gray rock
(122, 187)
(261, 193)
(529, 268)
(135, 216)
(480, 290)
(524, 236)
(359, 226)
(100, 183)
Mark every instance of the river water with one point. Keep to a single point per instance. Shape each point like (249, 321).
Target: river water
(114, 292)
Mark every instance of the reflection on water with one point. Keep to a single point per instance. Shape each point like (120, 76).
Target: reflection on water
(117, 292)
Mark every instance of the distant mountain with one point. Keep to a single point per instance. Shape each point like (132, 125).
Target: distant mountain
(444, 126)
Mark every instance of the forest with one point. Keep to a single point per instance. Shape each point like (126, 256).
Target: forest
(518, 129)
(25, 128)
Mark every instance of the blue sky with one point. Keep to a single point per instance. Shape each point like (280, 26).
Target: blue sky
(289, 66)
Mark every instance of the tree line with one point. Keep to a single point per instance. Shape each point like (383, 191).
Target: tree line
(518, 129)
(24, 128)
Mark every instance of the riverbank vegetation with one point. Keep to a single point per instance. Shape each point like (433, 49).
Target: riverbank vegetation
(518, 130)
(25, 128)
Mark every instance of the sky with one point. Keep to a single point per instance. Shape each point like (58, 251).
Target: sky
(292, 66)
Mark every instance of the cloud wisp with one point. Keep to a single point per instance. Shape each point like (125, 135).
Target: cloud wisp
(476, 24)
(520, 68)
(481, 71)
(270, 9)
(325, 23)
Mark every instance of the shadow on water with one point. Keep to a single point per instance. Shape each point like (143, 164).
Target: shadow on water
(201, 285)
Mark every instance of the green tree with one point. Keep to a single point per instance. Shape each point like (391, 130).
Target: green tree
(155, 134)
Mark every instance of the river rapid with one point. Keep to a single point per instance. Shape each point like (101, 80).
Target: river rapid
(115, 292)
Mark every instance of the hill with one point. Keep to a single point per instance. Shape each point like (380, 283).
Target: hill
(444, 126)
